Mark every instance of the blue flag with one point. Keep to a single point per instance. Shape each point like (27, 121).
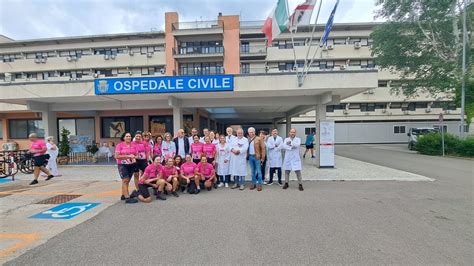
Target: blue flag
(328, 27)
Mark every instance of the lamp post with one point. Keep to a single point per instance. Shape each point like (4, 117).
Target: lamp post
(463, 75)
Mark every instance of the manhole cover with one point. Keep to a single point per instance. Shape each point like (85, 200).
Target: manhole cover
(58, 199)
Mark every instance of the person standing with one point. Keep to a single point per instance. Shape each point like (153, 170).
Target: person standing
(238, 159)
(264, 137)
(141, 160)
(168, 148)
(194, 131)
(126, 156)
(157, 146)
(205, 131)
(292, 161)
(196, 149)
(53, 152)
(309, 143)
(38, 149)
(256, 155)
(230, 136)
(182, 144)
(275, 145)
(223, 159)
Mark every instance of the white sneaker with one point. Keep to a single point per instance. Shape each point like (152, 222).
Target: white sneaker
(220, 185)
(226, 185)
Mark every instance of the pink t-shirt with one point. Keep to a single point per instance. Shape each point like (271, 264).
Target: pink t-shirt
(197, 150)
(188, 168)
(151, 171)
(124, 149)
(141, 147)
(205, 169)
(209, 150)
(157, 150)
(167, 172)
(38, 144)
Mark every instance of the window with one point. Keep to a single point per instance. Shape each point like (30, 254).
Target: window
(399, 129)
(354, 106)
(395, 105)
(329, 108)
(421, 105)
(203, 122)
(20, 129)
(339, 41)
(367, 107)
(210, 47)
(383, 83)
(309, 130)
(159, 125)
(78, 126)
(1, 129)
(244, 68)
(445, 128)
(114, 127)
(200, 69)
(380, 106)
(244, 47)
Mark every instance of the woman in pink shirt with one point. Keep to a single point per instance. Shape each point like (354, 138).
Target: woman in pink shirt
(142, 162)
(206, 174)
(149, 146)
(157, 146)
(209, 150)
(40, 158)
(150, 178)
(126, 156)
(196, 149)
(169, 175)
(188, 174)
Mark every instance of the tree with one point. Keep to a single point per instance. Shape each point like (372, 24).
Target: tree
(64, 147)
(422, 42)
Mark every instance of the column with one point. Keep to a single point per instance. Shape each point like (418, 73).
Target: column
(50, 123)
(288, 125)
(320, 115)
(177, 119)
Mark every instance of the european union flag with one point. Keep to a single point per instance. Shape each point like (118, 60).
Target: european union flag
(328, 27)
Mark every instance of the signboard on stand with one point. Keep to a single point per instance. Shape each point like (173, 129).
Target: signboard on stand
(326, 143)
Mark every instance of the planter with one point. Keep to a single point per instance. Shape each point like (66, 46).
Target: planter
(95, 159)
(62, 160)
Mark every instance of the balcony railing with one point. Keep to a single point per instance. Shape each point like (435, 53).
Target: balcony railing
(199, 50)
(253, 49)
(213, 24)
(252, 24)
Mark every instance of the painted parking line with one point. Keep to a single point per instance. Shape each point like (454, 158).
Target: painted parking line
(110, 193)
(24, 240)
(65, 211)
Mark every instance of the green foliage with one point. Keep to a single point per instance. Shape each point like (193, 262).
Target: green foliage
(421, 41)
(430, 144)
(92, 148)
(64, 147)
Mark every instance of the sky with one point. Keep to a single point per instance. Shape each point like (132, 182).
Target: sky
(32, 19)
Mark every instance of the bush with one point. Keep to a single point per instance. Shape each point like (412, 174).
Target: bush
(430, 144)
(64, 147)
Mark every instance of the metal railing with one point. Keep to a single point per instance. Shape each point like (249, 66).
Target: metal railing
(253, 49)
(252, 24)
(199, 50)
(213, 24)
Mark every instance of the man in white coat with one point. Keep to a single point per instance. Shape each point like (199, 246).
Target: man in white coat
(275, 161)
(292, 161)
(238, 159)
(230, 136)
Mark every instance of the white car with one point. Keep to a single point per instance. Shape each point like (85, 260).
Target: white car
(417, 132)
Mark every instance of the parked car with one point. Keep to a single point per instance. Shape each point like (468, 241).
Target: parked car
(418, 132)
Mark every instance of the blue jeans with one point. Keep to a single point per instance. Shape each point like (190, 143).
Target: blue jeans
(240, 180)
(256, 170)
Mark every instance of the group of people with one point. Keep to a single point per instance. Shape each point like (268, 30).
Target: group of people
(190, 163)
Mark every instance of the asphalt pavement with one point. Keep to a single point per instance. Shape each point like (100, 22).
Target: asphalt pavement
(331, 222)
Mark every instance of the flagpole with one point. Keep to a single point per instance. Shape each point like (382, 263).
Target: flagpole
(312, 35)
(295, 66)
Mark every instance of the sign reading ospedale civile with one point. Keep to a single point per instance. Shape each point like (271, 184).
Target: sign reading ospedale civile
(164, 84)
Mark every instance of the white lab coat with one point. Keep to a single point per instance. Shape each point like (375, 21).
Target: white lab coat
(223, 153)
(168, 150)
(238, 163)
(292, 161)
(53, 155)
(274, 151)
(230, 139)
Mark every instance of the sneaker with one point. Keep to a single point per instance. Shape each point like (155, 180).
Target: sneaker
(285, 186)
(234, 186)
(242, 187)
(183, 188)
(160, 197)
(49, 177)
(175, 194)
(259, 188)
(300, 187)
(134, 194)
(166, 192)
(209, 188)
(280, 183)
(252, 187)
(226, 185)
(197, 191)
(215, 185)
(269, 183)
(221, 185)
(313, 157)
(34, 182)
(123, 197)
(131, 200)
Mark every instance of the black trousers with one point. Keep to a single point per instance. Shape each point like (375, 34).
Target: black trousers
(272, 172)
(263, 166)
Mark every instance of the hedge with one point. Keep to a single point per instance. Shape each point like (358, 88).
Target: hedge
(430, 144)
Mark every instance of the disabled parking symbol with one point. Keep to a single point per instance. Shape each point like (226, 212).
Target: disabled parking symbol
(65, 211)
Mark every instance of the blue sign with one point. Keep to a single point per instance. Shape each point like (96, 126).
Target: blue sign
(65, 211)
(164, 84)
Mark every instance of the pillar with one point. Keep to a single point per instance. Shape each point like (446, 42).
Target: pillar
(177, 119)
(50, 123)
(288, 125)
(320, 115)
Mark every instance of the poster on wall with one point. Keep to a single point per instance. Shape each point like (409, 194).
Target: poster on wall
(116, 129)
(326, 143)
(157, 128)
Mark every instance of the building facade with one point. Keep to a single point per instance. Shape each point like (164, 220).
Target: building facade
(48, 84)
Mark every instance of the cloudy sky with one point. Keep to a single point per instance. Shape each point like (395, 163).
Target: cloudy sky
(30, 19)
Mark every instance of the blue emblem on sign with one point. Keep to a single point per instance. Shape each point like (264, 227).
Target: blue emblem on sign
(65, 211)
(164, 84)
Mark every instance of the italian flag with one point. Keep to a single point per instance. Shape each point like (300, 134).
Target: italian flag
(277, 22)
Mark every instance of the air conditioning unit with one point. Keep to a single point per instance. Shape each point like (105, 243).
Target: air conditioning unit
(330, 47)
(130, 73)
(384, 111)
(69, 59)
(342, 67)
(43, 60)
(149, 55)
(113, 56)
(163, 71)
(447, 112)
(131, 53)
(357, 45)
(74, 58)
(96, 75)
(106, 57)
(37, 60)
(345, 112)
(428, 110)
